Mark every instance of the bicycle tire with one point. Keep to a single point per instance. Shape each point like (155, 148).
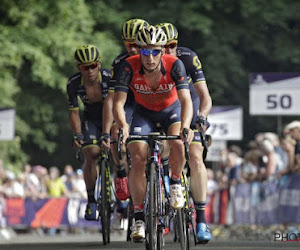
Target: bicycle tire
(105, 201)
(181, 228)
(152, 222)
(130, 220)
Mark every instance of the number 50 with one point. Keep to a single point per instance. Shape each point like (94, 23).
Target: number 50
(279, 101)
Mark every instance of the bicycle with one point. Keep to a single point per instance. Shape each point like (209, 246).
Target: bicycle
(184, 218)
(156, 200)
(103, 192)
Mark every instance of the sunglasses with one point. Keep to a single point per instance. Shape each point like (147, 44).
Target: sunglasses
(171, 46)
(92, 66)
(130, 45)
(147, 52)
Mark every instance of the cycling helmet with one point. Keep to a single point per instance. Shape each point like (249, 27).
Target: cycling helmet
(151, 36)
(87, 54)
(170, 30)
(131, 27)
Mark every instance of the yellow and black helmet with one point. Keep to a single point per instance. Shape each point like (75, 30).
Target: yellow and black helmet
(170, 30)
(151, 36)
(131, 27)
(87, 54)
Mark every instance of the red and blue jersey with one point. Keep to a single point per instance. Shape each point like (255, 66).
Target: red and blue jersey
(131, 75)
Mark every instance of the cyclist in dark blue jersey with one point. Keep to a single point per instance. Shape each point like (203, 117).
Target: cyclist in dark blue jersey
(129, 31)
(202, 104)
(90, 84)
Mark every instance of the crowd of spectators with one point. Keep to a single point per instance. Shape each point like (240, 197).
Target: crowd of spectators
(266, 158)
(38, 182)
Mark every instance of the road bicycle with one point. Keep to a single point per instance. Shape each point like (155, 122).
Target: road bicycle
(156, 203)
(104, 191)
(184, 219)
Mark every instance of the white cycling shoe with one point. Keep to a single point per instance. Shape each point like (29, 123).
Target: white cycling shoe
(138, 231)
(176, 197)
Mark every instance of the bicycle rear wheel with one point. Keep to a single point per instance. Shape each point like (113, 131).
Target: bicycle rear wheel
(181, 229)
(105, 209)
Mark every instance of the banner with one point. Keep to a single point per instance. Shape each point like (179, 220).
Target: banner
(226, 123)
(7, 124)
(274, 93)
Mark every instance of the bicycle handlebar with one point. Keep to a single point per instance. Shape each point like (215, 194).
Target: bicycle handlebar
(154, 136)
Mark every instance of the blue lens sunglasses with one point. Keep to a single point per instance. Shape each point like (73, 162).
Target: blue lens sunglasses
(147, 52)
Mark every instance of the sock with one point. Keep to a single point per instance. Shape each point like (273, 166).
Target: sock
(138, 211)
(200, 211)
(91, 196)
(121, 171)
(165, 163)
(175, 179)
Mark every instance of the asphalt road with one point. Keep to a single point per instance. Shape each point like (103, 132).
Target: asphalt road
(94, 242)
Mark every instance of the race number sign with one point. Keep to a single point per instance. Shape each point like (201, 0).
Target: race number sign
(7, 124)
(274, 93)
(214, 152)
(226, 123)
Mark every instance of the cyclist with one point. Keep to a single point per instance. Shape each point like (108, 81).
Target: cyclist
(90, 84)
(202, 104)
(129, 31)
(153, 77)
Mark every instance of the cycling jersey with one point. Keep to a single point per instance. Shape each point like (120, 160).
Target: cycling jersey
(195, 75)
(193, 68)
(75, 89)
(132, 76)
(130, 103)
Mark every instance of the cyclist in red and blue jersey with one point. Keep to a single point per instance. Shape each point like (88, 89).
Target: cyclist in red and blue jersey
(129, 31)
(202, 104)
(161, 91)
(90, 84)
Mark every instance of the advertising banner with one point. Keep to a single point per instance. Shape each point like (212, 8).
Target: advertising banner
(226, 123)
(274, 93)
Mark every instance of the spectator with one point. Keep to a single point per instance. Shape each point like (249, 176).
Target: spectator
(272, 159)
(55, 185)
(234, 165)
(68, 171)
(35, 184)
(11, 187)
(79, 185)
(293, 129)
(212, 185)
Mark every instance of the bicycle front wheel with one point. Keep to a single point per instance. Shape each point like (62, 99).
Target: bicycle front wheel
(152, 220)
(105, 209)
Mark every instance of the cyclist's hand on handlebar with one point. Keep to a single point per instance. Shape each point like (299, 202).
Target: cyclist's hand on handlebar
(78, 140)
(105, 141)
(202, 123)
(189, 135)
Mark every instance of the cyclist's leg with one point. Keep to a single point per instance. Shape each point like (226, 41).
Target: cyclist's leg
(121, 181)
(137, 179)
(171, 125)
(91, 153)
(198, 184)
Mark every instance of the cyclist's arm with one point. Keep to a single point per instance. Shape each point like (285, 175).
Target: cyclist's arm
(118, 108)
(107, 116)
(123, 80)
(206, 101)
(178, 74)
(74, 119)
(184, 97)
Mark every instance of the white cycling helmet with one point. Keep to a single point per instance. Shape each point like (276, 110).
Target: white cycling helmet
(151, 36)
